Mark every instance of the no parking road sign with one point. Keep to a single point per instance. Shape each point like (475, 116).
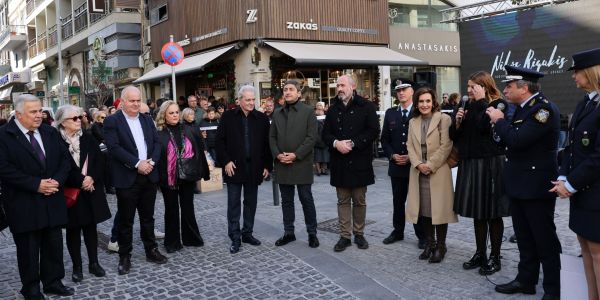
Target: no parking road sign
(172, 54)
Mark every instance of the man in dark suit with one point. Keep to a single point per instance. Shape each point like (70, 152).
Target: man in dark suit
(350, 128)
(34, 164)
(393, 140)
(134, 149)
(531, 141)
(243, 148)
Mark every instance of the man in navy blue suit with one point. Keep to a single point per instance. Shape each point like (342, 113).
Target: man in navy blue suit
(34, 165)
(133, 145)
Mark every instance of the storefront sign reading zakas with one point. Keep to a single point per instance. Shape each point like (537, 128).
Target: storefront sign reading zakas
(313, 26)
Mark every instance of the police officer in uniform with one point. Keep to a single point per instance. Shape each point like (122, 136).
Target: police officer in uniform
(580, 167)
(393, 140)
(531, 141)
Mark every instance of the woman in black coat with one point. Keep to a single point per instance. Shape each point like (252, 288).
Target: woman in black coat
(479, 192)
(179, 141)
(578, 175)
(91, 207)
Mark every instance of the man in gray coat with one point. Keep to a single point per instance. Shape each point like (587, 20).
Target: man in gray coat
(292, 139)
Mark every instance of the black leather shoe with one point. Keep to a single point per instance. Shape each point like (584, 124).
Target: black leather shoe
(492, 266)
(478, 260)
(173, 249)
(550, 297)
(96, 270)
(124, 264)
(77, 275)
(360, 242)
(235, 247)
(156, 257)
(59, 289)
(428, 251)
(313, 241)
(34, 297)
(514, 287)
(285, 239)
(393, 237)
(513, 238)
(422, 244)
(342, 244)
(249, 239)
(199, 242)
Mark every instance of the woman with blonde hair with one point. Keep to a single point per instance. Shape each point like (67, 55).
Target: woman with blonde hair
(430, 194)
(578, 175)
(91, 207)
(479, 185)
(182, 163)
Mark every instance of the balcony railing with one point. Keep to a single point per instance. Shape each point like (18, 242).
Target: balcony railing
(81, 21)
(30, 6)
(67, 27)
(32, 48)
(52, 36)
(41, 42)
(8, 30)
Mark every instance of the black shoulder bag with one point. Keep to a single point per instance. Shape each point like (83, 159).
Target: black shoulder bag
(188, 169)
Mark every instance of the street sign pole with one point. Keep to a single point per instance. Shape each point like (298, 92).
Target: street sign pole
(173, 76)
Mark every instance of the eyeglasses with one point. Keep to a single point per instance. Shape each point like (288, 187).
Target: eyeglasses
(102, 117)
(75, 118)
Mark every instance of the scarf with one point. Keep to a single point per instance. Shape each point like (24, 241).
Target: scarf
(172, 160)
(73, 142)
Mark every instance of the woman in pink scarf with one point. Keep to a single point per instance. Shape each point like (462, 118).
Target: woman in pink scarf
(180, 146)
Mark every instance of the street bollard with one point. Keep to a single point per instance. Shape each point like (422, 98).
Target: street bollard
(275, 189)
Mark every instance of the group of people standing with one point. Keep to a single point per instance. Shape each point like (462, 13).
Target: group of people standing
(507, 167)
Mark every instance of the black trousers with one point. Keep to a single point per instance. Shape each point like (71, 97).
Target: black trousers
(90, 237)
(533, 221)
(308, 206)
(40, 257)
(141, 196)
(234, 195)
(399, 194)
(186, 230)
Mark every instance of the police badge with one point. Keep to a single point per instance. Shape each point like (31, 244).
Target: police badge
(585, 141)
(542, 116)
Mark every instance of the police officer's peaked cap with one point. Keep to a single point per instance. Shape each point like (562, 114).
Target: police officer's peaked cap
(586, 59)
(402, 84)
(516, 73)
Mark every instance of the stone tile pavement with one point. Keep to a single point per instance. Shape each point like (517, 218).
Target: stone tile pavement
(294, 271)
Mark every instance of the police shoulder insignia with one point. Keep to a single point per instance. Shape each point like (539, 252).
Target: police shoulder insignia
(542, 115)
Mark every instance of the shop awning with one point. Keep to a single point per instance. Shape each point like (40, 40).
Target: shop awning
(5, 94)
(188, 65)
(339, 54)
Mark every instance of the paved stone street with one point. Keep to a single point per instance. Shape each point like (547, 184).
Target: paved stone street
(294, 271)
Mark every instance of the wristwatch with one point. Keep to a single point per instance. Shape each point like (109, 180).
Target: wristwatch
(151, 162)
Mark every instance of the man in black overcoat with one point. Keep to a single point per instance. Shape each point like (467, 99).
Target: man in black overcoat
(34, 165)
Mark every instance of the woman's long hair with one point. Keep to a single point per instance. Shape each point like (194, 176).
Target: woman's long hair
(160, 117)
(593, 76)
(484, 79)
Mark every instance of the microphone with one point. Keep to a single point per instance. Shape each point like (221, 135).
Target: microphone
(463, 103)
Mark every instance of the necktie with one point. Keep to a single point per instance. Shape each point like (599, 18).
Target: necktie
(36, 147)
(404, 115)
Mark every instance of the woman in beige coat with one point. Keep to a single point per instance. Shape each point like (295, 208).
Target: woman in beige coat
(430, 193)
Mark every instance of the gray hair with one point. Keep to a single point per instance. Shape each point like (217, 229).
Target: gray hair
(533, 87)
(246, 88)
(19, 103)
(295, 83)
(128, 89)
(63, 111)
(186, 112)
(351, 80)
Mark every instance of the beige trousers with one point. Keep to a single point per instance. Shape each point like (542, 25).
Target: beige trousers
(352, 207)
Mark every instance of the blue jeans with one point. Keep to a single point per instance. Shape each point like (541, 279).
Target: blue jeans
(308, 206)
(234, 195)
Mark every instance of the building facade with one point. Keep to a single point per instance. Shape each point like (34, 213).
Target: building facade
(263, 43)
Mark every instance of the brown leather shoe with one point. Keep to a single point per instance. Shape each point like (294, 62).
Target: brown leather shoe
(154, 256)
(438, 253)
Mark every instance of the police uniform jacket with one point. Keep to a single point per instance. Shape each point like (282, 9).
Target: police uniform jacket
(581, 166)
(531, 142)
(394, 136)
(358, 121)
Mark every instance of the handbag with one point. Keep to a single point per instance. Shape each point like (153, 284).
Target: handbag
(72, 193)
(188, 169)
(453, 157)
